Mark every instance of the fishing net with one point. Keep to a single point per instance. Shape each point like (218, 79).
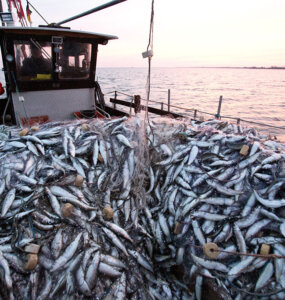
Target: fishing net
(216, 185)
(122, 209)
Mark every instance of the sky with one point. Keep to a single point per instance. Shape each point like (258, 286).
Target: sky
(187, 33)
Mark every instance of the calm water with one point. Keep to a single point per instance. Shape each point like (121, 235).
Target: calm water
(251, 94)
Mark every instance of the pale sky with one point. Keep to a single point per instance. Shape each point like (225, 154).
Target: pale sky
(186, 32)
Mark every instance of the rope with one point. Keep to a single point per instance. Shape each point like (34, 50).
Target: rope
(126, 94)
(255, 294)
(207, 113)
(257, 123)
(149, 46)
(31, 225)
(18, 94)
(108, 92)
(37, 12)
(246, 254)
(40, 47)
(5, 110)
(21, 16)
(247, 292)
(268, 256)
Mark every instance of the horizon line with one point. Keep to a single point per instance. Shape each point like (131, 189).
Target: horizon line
(205, 67)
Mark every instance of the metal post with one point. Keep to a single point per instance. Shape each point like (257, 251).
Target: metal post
(114, 2)
(1, 10)
(161, 105)
(115, 99)
(168, 100)
(218, 115)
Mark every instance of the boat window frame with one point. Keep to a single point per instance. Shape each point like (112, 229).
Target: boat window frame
(54, 83)
(90, 61)
(49, 60)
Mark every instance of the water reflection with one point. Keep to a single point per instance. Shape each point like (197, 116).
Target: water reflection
(252, 94)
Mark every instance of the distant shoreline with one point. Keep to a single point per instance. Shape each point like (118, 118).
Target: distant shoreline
(258, 68)
(247, 68)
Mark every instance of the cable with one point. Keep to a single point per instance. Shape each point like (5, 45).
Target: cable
(150, 40)
(40, 47)
(21, 13)
(245, 254)
(261, 124)
(150, 45)
(269, 256)
(247, 292)
(37, 12)
(255, 294)
(6, 107)
(207, 113)
(18, 94)
(9, 6)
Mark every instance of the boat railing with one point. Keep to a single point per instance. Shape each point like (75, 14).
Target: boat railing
(186, 110)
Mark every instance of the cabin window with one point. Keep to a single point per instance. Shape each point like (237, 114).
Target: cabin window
(33, 60)
(74, 60)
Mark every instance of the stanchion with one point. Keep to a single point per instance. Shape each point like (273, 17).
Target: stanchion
(218, 115)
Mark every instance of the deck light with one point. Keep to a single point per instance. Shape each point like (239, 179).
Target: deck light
(9, 58)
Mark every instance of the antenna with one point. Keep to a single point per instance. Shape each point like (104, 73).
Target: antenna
(106, 5)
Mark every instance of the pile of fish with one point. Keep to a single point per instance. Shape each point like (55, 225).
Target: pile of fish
(70, 225)
(216, 186)
(115, 209)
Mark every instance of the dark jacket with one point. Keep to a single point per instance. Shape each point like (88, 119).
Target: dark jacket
(33, 66)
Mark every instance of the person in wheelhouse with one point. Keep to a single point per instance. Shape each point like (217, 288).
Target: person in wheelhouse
(35, 66)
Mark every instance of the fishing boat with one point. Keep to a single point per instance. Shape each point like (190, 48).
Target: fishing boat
(61, 84)
(177, 204)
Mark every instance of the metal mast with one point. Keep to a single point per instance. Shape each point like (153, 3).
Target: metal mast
(88, 12)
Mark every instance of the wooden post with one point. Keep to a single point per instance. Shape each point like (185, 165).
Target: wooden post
(137, 99)
(195, 113)
(218, 115)
(161, 105)
(168, 100)
(115, 99)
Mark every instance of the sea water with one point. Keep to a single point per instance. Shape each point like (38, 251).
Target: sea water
(252, 94)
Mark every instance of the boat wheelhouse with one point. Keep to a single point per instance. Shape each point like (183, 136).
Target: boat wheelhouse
(64, 88)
